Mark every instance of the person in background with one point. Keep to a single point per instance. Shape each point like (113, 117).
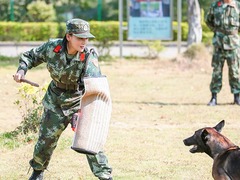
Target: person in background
(135, 8)
(224, 20)
(166, 8)
(65, 60)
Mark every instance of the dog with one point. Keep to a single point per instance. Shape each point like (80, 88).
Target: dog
(225, 154)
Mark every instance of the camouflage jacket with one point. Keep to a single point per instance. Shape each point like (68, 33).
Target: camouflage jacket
(223, 20)
(61, 69)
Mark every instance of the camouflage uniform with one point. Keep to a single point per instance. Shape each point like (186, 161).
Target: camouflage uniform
(223, 20)
(61, 100)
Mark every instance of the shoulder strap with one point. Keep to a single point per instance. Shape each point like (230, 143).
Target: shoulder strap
(86, 61)
(80, 81)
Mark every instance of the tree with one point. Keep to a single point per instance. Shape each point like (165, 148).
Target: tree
(39, 11)
(194, 22)
(4, 5)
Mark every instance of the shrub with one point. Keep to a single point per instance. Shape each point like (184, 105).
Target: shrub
(13, 31)
(39, 11)
(31, 109)
(197, 52)
(105, 31)
(154, 48)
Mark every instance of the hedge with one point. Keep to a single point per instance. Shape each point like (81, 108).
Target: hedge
(104, 30)
(13, 31)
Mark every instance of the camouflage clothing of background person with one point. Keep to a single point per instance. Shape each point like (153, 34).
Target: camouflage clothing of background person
(64, 92)
(223, 19)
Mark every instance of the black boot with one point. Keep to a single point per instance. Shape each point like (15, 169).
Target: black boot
(213, 101)
(36, 175)
(236, 99)
(110, 178)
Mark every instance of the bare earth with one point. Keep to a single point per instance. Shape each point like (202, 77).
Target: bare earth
(156, 104)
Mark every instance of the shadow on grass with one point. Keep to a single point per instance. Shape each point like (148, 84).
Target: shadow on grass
(170, 104)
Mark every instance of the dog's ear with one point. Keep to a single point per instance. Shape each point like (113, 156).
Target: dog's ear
(204, 135)
(219, 126)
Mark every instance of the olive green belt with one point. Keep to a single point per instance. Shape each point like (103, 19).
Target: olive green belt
(233, 32)
(66, 86)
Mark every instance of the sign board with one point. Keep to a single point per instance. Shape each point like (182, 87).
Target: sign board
(149, 19)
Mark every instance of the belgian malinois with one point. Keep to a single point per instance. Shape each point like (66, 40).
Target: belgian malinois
(225, 154)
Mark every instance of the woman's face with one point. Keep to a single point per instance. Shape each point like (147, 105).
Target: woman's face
(75, 44)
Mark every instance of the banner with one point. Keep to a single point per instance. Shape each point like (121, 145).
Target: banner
(149, 20)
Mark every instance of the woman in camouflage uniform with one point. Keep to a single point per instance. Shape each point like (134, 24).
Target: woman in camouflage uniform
(65, 59)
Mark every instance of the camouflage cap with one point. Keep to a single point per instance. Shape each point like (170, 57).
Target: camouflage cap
(79, 28)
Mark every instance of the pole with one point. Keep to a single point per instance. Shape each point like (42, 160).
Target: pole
(11, 10)
(120, 18)
(99, 10)
(179, 17)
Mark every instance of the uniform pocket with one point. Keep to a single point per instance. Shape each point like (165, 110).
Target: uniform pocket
(230, 42)
(233, 22)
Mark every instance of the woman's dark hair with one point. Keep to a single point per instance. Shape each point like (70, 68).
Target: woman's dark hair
(64, 43)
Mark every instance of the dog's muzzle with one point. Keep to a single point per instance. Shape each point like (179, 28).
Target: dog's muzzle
(189, 142)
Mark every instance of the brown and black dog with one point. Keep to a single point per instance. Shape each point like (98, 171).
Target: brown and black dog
(225, 154)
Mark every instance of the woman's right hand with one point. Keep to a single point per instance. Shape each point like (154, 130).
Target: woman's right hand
(19, 75)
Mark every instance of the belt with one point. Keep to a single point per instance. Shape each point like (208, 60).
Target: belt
(234, 32)
(66, 86)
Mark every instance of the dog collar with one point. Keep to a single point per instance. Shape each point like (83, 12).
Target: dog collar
(233, 148)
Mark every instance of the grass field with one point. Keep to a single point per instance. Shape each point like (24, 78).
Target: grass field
(156, 104)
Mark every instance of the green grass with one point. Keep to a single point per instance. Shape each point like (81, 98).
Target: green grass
(7, 62)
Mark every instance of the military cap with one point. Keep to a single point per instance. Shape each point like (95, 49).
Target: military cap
(79, 28)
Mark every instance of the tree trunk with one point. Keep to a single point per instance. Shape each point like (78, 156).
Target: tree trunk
(194, 22)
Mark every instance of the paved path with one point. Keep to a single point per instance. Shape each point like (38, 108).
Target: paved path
(129, 49)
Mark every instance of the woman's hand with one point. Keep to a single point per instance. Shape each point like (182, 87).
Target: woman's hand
(19, 75)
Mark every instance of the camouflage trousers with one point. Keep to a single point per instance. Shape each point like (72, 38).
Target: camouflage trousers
(232, 58)
(53, 123)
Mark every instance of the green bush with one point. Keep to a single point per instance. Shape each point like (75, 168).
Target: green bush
(154, 47)
(13, 31)
(31, 109)
(10, 31)
(184, 31)
(105, 31)
(40, 11)
(39, 32)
